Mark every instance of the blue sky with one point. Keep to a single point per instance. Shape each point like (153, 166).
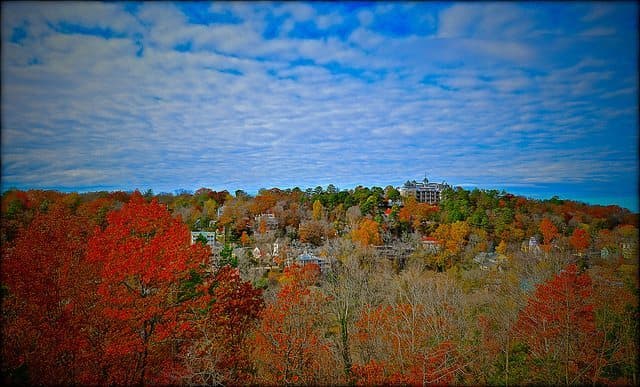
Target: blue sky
(539, 99)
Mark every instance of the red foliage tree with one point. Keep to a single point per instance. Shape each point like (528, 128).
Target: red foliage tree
(219, 352)
(558, 328)
(45, 312)
(143, 256)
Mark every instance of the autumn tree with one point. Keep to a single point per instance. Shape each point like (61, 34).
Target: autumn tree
(412, 337)
(615, 295)
(315, 232)
(452, 238)
(496, 356)
(345, 287)
(400, 349)
(549, 233)
(318, 210)
(367, 233)
(415, 214)
(235, 216)
(143, 256)
(223, 320)
(289, 345)
(264, 201)
(48, 293)
(579, 240)
(558, 328)
(244, 238)
(502, 247)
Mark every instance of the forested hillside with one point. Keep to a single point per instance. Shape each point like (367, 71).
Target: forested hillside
(322, 286)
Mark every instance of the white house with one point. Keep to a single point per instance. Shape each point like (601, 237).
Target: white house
(210, 236)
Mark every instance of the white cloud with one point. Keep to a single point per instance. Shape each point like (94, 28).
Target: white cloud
(500, 21)
(365, 17)
(329, 20)
(598, 32)
(298, 11)
(235, 109)
(597, 11)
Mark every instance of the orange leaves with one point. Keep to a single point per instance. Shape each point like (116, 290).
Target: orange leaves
(400, 349)
(289, 345)
(580, 240)
(244, 239)
(314, 232)
(370, 374)
(367, 233)
(416, 213)
(549, 233)
(453, 236)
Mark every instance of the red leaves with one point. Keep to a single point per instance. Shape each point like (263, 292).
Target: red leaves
(219, 342)
(370, 374)
(49, 287)
(401, 348)
(143, 255)
(558, 326)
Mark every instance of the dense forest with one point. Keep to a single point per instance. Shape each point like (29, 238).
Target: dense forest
(484, 288)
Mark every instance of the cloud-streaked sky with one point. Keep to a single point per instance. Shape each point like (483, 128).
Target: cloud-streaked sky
(539, 99)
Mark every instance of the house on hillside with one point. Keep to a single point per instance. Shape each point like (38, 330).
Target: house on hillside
(430, 244)
(531, 246)
(307, 258)
(487, 261)
(424, 192)
(270, 221)
(208, 235)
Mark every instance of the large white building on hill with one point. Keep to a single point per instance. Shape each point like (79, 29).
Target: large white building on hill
(424, 192)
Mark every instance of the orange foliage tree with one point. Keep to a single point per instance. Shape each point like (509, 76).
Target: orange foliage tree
(397, 348)
(415, 213)
(579, 240)
(315, 232)
(549, 233)
(289, 344)
(244, 238)
(367, 233)
(453, 238)
(142, 255)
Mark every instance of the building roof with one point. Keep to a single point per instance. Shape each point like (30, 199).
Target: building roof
(307, 257)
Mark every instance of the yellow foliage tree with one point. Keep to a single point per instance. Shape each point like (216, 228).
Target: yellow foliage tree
(452, 239)
(367, 233)
(502, 247)
(317, 210)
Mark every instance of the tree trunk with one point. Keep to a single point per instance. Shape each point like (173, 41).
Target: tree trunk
(346, 355)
